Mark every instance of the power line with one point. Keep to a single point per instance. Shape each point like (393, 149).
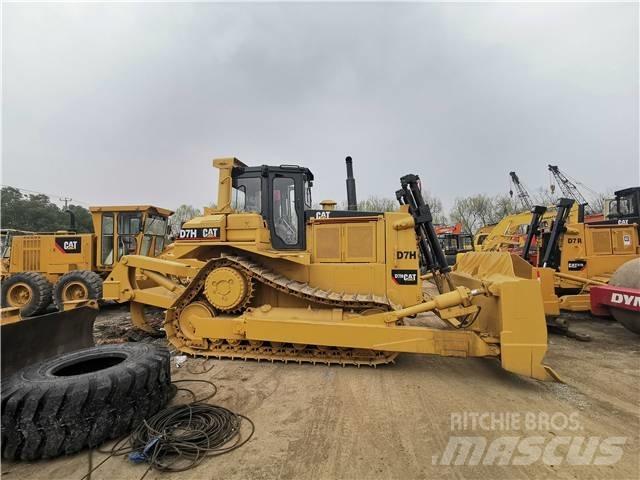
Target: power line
(61, 198)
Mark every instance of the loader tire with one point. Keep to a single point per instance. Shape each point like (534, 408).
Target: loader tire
(77, 285)
(31, 291)
(82, 399)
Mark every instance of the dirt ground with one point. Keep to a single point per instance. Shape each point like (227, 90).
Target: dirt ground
(396, 421)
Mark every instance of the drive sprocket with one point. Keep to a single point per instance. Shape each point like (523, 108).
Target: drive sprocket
(228, 289)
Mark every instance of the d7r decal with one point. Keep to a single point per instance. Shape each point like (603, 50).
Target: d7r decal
(405, 277)
(69, 244)
(202, 233)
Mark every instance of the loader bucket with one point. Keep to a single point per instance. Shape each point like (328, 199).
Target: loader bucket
(29, 340)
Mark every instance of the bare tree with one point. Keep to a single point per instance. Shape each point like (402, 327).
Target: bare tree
(545, 197)
(385, 204)
(378, 204)
(479, 210)
(598, 201)
(181, 215)
(437, 210)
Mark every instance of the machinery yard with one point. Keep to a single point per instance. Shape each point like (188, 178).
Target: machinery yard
(189, 292)
(389, 422)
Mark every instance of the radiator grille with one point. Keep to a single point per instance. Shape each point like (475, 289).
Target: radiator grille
(31, 254)
(601, 242)
(360, 243)
(327, 242)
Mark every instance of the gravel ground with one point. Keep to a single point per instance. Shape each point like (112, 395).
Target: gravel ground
(396, 421)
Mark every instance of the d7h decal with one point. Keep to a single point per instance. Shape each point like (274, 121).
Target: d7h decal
(69, 244)
(201, 233)
(405, 277)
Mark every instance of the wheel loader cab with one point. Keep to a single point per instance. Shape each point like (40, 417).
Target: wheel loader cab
(128, 230)
(280, 194)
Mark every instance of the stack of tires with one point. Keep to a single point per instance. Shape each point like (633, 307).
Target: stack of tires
(33, 293)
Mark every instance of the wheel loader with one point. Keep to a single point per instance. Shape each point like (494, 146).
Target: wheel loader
(68, 266)
(265, 276)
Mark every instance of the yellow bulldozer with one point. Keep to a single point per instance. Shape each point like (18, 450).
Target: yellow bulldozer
(265, 276)
(569, 256)
(578, 255)
(64, 266)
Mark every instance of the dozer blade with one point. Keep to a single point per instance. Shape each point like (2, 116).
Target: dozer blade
(29, 340)
(518, 314)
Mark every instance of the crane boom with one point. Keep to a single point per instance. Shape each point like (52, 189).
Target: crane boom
(523, 195)
(567, 186)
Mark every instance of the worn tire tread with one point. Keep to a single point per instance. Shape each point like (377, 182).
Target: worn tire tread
(53, 418)
(91, 280)
(42, 289)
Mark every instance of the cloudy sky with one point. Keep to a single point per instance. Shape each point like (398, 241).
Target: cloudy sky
(130, 102)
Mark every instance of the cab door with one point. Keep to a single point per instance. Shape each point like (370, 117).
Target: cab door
(286, 207)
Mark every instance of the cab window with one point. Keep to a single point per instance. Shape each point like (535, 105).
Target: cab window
(129, 225)
(307, 193)
(155, 229)
(246, 194)
(285, 216)
(107, 239)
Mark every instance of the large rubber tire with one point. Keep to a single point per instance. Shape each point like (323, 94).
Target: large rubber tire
(40, 292)
(627, 276)
(90, 281)
(82, 399)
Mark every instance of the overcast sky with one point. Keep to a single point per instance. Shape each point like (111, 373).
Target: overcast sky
(115, 104)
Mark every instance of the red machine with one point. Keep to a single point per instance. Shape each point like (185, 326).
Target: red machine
(621, 303)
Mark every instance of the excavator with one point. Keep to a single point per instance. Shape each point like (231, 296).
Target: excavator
(265, 276)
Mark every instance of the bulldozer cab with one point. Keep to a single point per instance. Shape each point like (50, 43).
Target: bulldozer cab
(280, 194)
(128, 230)
(624, 208)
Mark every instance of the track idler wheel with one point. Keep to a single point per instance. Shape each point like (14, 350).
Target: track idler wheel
(228, 289)
(195, 309)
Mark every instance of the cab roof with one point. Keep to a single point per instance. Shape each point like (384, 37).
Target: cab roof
(626, 191)
(132, 208)
(263, 170)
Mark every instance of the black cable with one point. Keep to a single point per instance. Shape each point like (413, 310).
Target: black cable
(203, 367)
(180, 437)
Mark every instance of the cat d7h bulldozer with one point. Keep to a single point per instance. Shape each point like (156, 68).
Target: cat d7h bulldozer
(264, 276)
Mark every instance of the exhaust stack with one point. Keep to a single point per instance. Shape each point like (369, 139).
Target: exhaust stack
(352, 202)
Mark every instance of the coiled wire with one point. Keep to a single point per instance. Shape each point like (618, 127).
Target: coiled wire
(180, 437)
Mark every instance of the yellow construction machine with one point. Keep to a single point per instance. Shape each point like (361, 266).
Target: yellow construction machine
(71, 266)
(264, 276)
(570, 257)
(509, 234)
(578, 255)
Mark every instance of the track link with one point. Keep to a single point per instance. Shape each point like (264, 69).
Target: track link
(281, 352)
